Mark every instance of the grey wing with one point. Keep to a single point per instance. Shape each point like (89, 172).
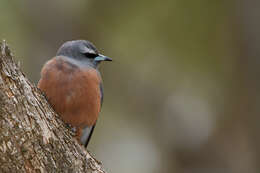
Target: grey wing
(88, 131)
(101, 92)
(86, 135)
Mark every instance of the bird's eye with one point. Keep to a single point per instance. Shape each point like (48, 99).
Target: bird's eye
(91, 55)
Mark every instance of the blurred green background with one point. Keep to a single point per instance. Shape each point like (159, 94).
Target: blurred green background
(182, 92)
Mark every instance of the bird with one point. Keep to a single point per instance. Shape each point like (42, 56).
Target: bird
(73, 86)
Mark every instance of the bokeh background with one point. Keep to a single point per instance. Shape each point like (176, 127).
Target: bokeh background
(182, 94)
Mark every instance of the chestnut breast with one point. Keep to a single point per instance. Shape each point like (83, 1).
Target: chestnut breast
(74, 92)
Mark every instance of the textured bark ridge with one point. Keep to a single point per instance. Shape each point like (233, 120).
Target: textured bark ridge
(32, 137)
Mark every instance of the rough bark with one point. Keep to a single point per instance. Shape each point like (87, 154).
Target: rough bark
(32, 136)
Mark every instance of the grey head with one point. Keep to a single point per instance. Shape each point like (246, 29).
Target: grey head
(83, 52)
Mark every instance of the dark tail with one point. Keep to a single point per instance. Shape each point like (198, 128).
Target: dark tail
(90, 134)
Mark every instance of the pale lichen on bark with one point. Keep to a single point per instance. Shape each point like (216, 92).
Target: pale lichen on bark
(32, 137)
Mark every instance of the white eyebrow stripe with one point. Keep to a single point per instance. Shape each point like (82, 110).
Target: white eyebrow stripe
(87, 50)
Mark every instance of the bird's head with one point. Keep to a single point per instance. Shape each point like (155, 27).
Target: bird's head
(82, 50)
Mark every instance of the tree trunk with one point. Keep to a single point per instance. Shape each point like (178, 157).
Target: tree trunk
(32, 136)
